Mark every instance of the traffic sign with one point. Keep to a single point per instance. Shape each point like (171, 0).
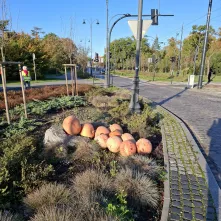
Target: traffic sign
(145, 26)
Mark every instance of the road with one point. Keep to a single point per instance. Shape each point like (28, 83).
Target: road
(200, 111)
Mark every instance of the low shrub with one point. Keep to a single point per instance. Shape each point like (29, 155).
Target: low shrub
(21, 168)
(51, 194)
(145, 124)
(54, 104)
(54, 213)
(43, 93)
(104, 101)
(140, 189)
(92, 182)
(64, 213)
(7, 216)
(19, 127)
(143, 164)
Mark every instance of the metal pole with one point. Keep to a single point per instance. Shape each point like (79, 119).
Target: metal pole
(134, 103)
(180, 55)
(91, 48)
(66, 80)
(107, 83)
(5, 94)
(23, 91)
(200, 82)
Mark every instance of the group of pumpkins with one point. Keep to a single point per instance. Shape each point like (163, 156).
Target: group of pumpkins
(113, 138)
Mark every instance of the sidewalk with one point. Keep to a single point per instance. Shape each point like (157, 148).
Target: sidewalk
(193, 191)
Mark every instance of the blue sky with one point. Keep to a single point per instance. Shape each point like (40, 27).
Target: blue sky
(55, 16)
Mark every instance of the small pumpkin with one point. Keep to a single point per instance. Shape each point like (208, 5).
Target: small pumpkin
(144, 146)
(127, 136)
(115, 133)
(128, 148)
(113, 144)
(114, 127)
(101, 130)
(102, 140)
(87, 130)
(71, 125)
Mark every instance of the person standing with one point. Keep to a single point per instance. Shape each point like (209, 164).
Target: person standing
(26, 77)
(210, 75)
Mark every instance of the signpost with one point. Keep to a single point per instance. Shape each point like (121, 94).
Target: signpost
(133, 26)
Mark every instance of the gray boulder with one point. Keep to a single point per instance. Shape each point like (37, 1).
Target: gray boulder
(55, 136)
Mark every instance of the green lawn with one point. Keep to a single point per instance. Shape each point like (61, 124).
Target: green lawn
(32, 82)
(166, 77)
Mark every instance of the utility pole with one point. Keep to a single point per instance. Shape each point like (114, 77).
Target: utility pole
(134, 103)
(180, 54)
(200, 82)
(107, 83)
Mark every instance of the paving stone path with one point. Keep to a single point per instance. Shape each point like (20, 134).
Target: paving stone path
(190, 198)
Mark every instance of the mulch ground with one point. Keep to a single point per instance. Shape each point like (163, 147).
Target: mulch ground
(15, 97)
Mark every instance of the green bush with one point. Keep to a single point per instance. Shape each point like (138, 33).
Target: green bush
(145, 124)
(44, 107)
(120, 111)
(19, 127)
(21, 168)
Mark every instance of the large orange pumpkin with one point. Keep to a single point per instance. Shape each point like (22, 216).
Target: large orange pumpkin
(144, 146)
(128, 148)
(113, 144)
(71, 125)
(87, 130)
(115, 133)
(102, 140)
(101, 130)
(114, 127)
(127, 136)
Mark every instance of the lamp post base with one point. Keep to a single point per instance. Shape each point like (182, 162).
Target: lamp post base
(134, 102)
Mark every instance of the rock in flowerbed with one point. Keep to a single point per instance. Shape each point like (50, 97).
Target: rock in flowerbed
(56, 136)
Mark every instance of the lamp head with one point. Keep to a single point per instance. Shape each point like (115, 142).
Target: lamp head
(84, 22)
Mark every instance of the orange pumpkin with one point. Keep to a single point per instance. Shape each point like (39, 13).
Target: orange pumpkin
(127, 136)
(115, 133)
(128, 148)
(144, 146)
(87, 130)
(114, 127)
(113, 144)
(101, 130)
(71, 125)
(102, 140)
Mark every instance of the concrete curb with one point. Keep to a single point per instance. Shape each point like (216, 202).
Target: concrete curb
(211, 181)
(166, 203)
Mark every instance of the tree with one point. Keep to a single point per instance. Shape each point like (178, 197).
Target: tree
(82, 57)
(36, 32)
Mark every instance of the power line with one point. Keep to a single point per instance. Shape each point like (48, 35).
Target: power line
(188, 24)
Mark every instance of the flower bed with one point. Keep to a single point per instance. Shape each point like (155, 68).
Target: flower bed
(78, 179)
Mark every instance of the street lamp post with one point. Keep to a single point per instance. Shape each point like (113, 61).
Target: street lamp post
(91, 26)
(200, 82)
(107, 83)
(134, 102)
